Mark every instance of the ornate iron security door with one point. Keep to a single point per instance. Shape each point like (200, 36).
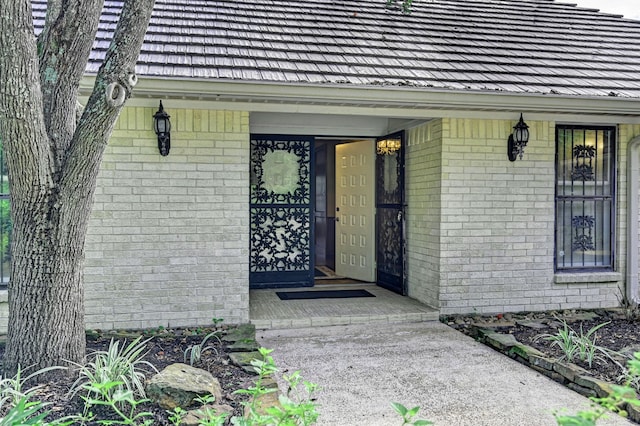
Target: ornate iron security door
(281, 207)
(390, 212)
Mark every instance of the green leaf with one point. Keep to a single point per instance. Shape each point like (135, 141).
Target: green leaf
(401, 409)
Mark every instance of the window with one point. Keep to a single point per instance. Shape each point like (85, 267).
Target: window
(585, 190)
(5, 222)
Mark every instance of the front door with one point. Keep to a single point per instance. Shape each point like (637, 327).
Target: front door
(281, 207)
(390, 208)
(355, 183)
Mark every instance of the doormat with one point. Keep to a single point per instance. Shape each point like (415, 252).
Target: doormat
(322, 294)
(318, 273)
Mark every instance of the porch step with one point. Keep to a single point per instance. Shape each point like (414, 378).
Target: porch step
(267, 311)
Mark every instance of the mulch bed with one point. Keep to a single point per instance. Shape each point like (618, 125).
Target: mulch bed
(165, 347)
(620, 336)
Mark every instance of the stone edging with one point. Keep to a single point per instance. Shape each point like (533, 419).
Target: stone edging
(243, 348)
(565, 373)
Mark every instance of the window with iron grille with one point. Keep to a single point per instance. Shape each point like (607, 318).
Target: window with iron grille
(585, 203)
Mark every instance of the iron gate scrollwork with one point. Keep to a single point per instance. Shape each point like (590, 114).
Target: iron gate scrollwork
(281, 208)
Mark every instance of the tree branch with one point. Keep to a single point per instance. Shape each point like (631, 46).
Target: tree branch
(113, 86)
(63, 49)
(22, 125)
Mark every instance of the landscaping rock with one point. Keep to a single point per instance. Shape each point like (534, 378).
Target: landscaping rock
(501, 341)
(196, 417)
(249, 345)
(264, 402)
(634, 412)
(580, 316)
(243, 360)
(178, 385)
(240, 333)
(538, 325)
(569, 370)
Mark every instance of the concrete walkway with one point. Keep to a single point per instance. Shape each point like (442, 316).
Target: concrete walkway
(455, 380)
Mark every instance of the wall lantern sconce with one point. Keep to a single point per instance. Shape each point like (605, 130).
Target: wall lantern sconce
(518, 140)
(162, 126)
(388, 146)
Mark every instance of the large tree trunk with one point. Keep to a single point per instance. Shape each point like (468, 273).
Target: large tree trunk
(53, 161)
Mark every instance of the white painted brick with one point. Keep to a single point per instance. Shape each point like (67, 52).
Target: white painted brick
(176, 250)
(490, 227)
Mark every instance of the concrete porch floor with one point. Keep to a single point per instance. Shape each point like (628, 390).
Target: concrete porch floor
(267, 311)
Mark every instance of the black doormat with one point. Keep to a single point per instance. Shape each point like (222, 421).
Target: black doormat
(318, 273)
(323, 294)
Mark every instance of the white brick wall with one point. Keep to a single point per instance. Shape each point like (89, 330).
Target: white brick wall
(496, 234)
(422, 176)
(168, 239)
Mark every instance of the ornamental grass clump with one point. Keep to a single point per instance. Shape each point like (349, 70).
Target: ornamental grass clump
(579, 345)
(120, 364)
(195, 352)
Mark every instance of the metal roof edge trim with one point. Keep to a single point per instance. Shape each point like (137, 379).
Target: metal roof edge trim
(253, 95)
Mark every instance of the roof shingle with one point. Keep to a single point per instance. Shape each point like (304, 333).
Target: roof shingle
(521, 46)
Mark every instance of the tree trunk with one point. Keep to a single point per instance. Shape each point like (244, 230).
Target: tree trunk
(45, 292)
(53, 161)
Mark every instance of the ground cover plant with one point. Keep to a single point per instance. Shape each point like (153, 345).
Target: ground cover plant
(112, 380)
(109, 388)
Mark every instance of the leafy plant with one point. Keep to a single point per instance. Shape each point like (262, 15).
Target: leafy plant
(409, 414)
(296, 407)
(25, 412)
(195, 352)
(120, 401)
(614, 402)
(176, 416)
(118, 364)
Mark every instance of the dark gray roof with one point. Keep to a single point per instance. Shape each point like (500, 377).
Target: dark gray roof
(510, 46)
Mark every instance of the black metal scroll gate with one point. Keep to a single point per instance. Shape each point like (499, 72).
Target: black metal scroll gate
(390, 210)
(281, 209)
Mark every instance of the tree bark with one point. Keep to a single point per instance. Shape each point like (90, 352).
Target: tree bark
(53, 162)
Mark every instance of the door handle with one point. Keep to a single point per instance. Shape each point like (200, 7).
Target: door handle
(399, 215)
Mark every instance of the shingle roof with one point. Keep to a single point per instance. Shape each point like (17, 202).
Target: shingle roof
(509, 46)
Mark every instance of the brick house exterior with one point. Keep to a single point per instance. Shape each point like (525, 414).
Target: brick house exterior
(169, 239)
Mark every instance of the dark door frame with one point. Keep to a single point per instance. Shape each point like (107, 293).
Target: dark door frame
(390, 215)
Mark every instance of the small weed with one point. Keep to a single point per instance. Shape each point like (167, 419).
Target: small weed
(409, 414)
(176, 416)
(296, 407)
(154, 331)
(113, 395)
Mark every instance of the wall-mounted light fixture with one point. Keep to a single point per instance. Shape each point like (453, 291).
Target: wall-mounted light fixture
(388, 146)
(162, 126)
(518, 140)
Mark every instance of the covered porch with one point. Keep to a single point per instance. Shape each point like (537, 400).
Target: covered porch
(267, 311)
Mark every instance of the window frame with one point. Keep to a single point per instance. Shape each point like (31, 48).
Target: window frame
(611, 179)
